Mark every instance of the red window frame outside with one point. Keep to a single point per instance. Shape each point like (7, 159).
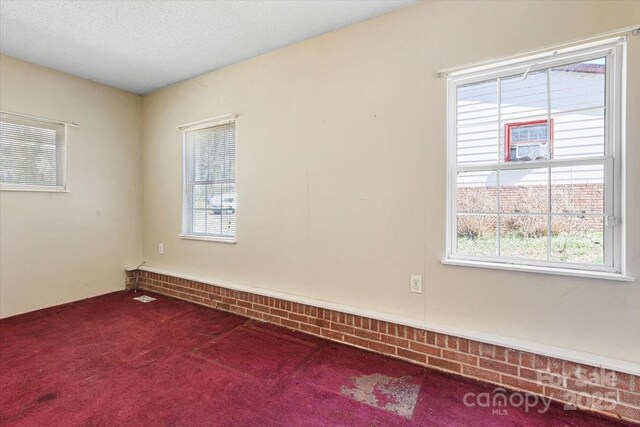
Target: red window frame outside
(507, 134)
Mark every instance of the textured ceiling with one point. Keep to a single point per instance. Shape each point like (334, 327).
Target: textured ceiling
(141, 46)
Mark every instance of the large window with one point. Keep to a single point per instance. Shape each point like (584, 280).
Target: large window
(535, 158)
(32, 154)
(209, 202)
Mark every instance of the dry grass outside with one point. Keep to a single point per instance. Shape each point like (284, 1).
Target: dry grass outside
(585, 247)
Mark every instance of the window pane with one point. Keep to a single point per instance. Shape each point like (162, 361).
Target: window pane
(524, 190)
(577, 189)
(524, 139)
(579, 85)
(199, 221)
(477, 103)
(209, 206)
(213, 153)
(31, 152)
(477, 192)
(579, 134)
(228, 215)
(199, 196)
(477, 144)
(578, 239)
(476, 235)
(523, 98)
(523, 236)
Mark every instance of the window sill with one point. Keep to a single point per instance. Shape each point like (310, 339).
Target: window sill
(33, 188)
(208, 238)
(543, 270)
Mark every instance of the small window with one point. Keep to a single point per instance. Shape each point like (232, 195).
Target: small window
(528, 140)
(534, 154)
(209, 204)
(32, 154)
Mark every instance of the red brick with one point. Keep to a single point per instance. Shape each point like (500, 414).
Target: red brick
(425, 349)
(271, 318)
(310, 328)
(494, 365)
(356, 341)
(245, 304)
(500, 353)
(570, 398)
(239, 310)
(382, 348)
(412, 355)
(572, 369)
(223, 306)
(528, 360)
(463, 345)
(513, 356)
(624, 411)
(521, 384)
(362, 333)
(331, 334)
(628, 382)
(342, 328)
(444, 364)
(452, 342)
(486, 350)
(555, 366)
(431, 338)
(411, 333)
(278, 312)
(400, 342)
(441, 340)
(467, 359)
(261, 308)
(357, 321)
(227, 300)
(474, 347)
(541, 362)
(298, 317)
(483, 374)
(290, 323)
(544, 378)
(348, 319)
(630, 398)
(589, 388)
(322, 323)
(253, 313)
(400, 330)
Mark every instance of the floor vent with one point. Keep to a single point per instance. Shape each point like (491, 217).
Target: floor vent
(144, 298)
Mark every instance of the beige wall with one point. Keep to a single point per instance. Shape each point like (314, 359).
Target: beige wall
(341, 174)
(60, 247)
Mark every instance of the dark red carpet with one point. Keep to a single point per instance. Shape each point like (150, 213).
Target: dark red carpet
(111, 360)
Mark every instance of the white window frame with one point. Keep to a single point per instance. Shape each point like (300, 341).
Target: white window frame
(189, 127)
(61, 169)
(614, 50)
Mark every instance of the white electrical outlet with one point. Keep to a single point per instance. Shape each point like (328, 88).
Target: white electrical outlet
(416, 284)
(160, 248)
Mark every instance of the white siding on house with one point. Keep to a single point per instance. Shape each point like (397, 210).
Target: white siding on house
(576, 134)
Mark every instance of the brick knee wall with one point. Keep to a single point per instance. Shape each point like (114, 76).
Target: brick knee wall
(616, 394)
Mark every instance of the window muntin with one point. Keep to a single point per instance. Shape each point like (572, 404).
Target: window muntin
(546, 196)
(32, 153)
(209, 205)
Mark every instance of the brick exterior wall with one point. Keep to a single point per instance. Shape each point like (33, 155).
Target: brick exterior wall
(616, 394)
(534, 198)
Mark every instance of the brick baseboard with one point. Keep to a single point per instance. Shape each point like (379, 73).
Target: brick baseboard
(613, 393)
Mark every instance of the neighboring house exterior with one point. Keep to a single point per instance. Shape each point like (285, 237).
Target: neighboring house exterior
(533, 120)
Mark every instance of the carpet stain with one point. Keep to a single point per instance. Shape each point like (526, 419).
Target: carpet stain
(396, 395)
(46, 397)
